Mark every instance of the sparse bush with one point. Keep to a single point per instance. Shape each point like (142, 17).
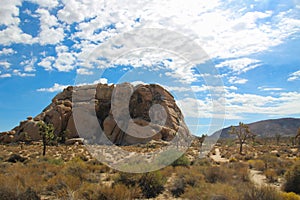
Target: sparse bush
(186, 177)
(207, 191)
(117, 192)
(292, 177)
(178, 187)
(201, 162)
(29, 194)
(261, 193)
(216, 174)
(128, 179)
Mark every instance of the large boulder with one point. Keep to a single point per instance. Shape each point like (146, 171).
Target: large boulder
(123, 114)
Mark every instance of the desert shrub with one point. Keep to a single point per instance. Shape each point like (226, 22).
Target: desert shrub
(54, 161)
(292, 177)
(152, 184)
(239, 170)
(260, 193)
(215, 174)
(271, 175)
(128, 179)
(29, 194)
(289, 196)
(186, 177)
(72, 183)
(117, 192)
(167, 171)
(181, 161)
(77, 168)
(257, 164)
(178, 187)
(7, 194)
(201, 162)
(207, 191)
(232, 159)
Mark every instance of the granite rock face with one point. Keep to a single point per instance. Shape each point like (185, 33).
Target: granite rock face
(121, 114)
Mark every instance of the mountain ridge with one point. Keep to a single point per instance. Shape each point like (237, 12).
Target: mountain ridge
(267, 128)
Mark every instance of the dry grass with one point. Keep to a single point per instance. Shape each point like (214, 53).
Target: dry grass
(69, 172)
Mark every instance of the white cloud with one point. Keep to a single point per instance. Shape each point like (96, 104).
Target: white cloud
(294, 76)
(58, 87)
(5, 64)
(240, 65)
(17, 72)
(282, 105)
(46, 3)
(7, 51)
(47, 63)
(13, 34)
(55, 88)
(237, 80)
(9, 12)
(101, 80)
(84, 71)
(51, 31)
(29, 64)
(263, 88)
(5, 75)
(65, 60)
(239, 105)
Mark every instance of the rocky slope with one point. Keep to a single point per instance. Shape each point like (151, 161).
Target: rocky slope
(269, 128)
(137, 114)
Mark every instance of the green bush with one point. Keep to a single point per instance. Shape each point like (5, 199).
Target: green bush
(289, 196)
(152, 184)
(292, 177)
(181, 161)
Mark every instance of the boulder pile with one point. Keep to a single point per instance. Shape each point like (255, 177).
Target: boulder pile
(123, 113)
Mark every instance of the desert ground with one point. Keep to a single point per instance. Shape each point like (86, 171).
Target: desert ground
(70, 172)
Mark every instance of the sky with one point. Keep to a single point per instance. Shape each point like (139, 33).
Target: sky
(224, 61)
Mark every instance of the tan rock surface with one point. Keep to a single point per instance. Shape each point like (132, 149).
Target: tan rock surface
(124, 113)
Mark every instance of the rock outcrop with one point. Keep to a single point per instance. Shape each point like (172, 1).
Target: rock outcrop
(123, 113)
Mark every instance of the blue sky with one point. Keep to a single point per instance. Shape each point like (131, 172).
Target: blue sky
(254, 45)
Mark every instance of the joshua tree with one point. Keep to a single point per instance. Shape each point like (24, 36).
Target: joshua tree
(243, 133)
(47, 133)
(201, 140)
(277, 137)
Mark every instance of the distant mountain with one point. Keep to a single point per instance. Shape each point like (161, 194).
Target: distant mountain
(268, 128)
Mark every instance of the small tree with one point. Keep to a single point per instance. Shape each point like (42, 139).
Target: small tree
(243, 133)
(201, 140)
(47, 133)
(277, 137)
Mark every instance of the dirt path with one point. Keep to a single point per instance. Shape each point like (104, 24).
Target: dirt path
(257, 178)
(217, 157)
(260, 179)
